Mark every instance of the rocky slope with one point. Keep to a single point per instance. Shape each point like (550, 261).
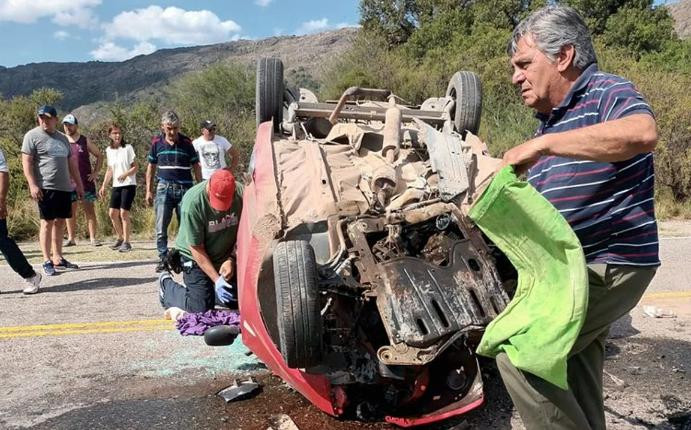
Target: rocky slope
(96, 81)
(681, 12)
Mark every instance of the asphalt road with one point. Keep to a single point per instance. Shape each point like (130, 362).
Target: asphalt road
(91, 350)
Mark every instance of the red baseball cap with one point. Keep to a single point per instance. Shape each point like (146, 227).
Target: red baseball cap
(221, 190)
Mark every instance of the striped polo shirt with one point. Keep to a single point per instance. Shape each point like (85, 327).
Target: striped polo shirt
(610, 206)
(174, 161)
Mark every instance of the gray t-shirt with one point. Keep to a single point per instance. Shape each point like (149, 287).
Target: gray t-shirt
(51, 154)
(3, 162)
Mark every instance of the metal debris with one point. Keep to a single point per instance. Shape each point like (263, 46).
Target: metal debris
(617, 381)
(655, 312)
(240, 390)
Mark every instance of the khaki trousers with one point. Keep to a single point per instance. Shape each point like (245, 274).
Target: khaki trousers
(614, 290)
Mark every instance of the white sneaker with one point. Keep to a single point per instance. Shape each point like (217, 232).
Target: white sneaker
(32, 284)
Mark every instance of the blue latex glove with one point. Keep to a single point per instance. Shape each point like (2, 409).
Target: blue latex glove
(223, 290)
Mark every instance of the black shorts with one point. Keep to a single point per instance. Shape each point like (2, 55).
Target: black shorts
(55, 205)
(122, 197)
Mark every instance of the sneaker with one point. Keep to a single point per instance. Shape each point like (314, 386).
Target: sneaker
(161, 280)
(161, 267)
(125, 247)
(33, 283)
(70, 243)
(64, 264)
(49, 268)
(96, 242)
(116, 245)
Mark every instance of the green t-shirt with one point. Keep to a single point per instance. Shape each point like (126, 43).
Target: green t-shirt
(200, 224)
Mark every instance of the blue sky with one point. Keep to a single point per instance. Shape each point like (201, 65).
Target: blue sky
(114, 30)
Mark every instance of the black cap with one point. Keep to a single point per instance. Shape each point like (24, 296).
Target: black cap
(48, 111)
(207, 124)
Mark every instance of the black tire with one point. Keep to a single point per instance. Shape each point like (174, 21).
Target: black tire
(221, 335)
(297, 304)
(465, 88)
(269, 93)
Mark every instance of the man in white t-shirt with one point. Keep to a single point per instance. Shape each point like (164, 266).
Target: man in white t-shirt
(212, 150)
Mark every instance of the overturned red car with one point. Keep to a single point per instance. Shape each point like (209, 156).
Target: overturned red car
(362, 282)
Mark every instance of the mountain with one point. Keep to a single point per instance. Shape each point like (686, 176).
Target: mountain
(681, 12)
(97, 81)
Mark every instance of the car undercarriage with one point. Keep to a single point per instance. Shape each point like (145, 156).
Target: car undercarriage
(373, 277)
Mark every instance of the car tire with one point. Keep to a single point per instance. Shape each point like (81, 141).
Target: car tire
(297, 304)
(269, 91)
(221, 335)
(466, 90)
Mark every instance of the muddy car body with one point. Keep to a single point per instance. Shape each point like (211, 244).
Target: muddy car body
(362, 282)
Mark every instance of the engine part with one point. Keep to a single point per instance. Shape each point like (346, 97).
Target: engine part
(421, 302)
(447, 159)
(456, 379)
(383, 184)
(392, 133)
(443, 222)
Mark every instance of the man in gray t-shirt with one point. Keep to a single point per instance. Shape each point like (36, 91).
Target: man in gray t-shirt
(48, 168)
(51, 153)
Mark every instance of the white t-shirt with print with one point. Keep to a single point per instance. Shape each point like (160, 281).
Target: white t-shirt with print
(120, 161)
(212, 153)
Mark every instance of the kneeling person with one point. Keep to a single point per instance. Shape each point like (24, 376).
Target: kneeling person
(206, 241)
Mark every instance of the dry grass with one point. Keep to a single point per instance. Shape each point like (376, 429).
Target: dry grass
(668, 209)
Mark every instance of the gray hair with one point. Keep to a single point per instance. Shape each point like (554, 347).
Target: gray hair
(553, 27)
(170, 117)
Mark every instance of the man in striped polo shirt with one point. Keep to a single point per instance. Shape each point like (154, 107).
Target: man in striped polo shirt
(176, 159)
(592, 159)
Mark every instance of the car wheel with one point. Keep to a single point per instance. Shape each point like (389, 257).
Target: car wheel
(466, 90)
(269, 95)
(297, 303)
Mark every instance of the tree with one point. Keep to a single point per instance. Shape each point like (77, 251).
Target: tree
(639, 30)
(504, 14)
(393, 19)
(223, 93)
(597, 12)
(397, 20)
(19, 114)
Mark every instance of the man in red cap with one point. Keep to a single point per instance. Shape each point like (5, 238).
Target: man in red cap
(206, 242)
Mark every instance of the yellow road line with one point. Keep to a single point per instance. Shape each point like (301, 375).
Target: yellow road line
(668, 295)
(84, 328)
(101, 327)
(67, 326)
(91, 331)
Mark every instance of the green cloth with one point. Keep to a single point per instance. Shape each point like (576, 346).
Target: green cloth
(200, 224)
(540, 325)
